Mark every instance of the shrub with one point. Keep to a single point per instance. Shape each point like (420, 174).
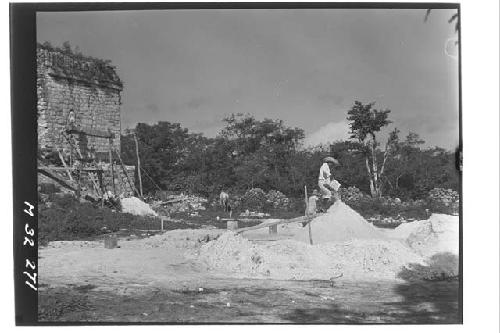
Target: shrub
(65, 218)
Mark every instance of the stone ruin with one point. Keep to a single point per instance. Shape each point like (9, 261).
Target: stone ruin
(78, 109)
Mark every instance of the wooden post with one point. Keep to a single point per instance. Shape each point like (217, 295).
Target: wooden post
(111, 167)
(307, 203)
(138, 164)
(162, 219)
(307, 213)
(79, 187)
(132, 186)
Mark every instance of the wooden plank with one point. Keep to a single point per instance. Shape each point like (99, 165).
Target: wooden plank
(60, 181)
(90, 132)
(242, 219)
(63, 183)
(300, 219)
(55, 168)
(64, 164)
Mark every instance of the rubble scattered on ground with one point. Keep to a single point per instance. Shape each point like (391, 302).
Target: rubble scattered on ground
(248, 213)
(186, 239)
(389, 221)
(180, 203)
(136, 206)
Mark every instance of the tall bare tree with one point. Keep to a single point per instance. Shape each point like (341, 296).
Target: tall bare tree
(364, 123)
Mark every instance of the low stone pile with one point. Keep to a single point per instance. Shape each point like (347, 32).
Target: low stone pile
(444, 200)
(277, 200)
(180, 203)
(351, 194)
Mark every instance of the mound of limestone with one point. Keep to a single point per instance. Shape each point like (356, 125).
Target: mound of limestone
(345, 244)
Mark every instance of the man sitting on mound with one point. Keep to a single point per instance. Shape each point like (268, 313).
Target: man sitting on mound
(327, 184)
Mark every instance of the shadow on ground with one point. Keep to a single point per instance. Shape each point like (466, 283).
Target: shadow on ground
(428, 295)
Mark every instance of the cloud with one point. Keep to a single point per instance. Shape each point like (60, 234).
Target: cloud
(193, 103)
(328, 99)
(153, 108)
(330, 132)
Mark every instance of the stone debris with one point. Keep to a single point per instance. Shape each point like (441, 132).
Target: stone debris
(248, 213)
(180, 203)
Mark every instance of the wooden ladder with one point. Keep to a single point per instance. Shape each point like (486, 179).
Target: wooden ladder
(92, 176)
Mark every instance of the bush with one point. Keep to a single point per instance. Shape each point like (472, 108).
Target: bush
(65, 218)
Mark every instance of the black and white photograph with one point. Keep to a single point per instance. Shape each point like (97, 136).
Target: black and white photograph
(298, 165)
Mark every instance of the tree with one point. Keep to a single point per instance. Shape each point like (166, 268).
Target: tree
(402, 168)
(364, 123)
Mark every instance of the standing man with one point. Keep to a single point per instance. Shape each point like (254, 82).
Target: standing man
(224, 200)
(311, 203)
(327, 185)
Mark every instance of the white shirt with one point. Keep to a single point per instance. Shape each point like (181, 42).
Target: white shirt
(324, 172)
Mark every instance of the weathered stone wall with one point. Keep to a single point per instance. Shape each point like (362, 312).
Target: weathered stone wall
(83, 94)
(87, 87)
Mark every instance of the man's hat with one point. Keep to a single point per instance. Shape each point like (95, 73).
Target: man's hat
(331, 160)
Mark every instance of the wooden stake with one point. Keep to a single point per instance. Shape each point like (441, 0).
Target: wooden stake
(138, 164)
(307, 210)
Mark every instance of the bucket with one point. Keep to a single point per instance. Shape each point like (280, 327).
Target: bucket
(110, 242)
(232, 225)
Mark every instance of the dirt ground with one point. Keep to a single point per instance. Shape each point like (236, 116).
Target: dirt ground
(155, 280)
(246, 301)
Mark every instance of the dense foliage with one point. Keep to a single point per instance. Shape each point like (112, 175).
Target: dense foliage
(65, 218)
(266, 154)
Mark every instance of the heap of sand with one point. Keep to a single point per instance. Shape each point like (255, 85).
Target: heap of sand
(438, 234)
(340, 224)
(344, 244)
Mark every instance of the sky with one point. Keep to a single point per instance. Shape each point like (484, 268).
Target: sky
(305, 66)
